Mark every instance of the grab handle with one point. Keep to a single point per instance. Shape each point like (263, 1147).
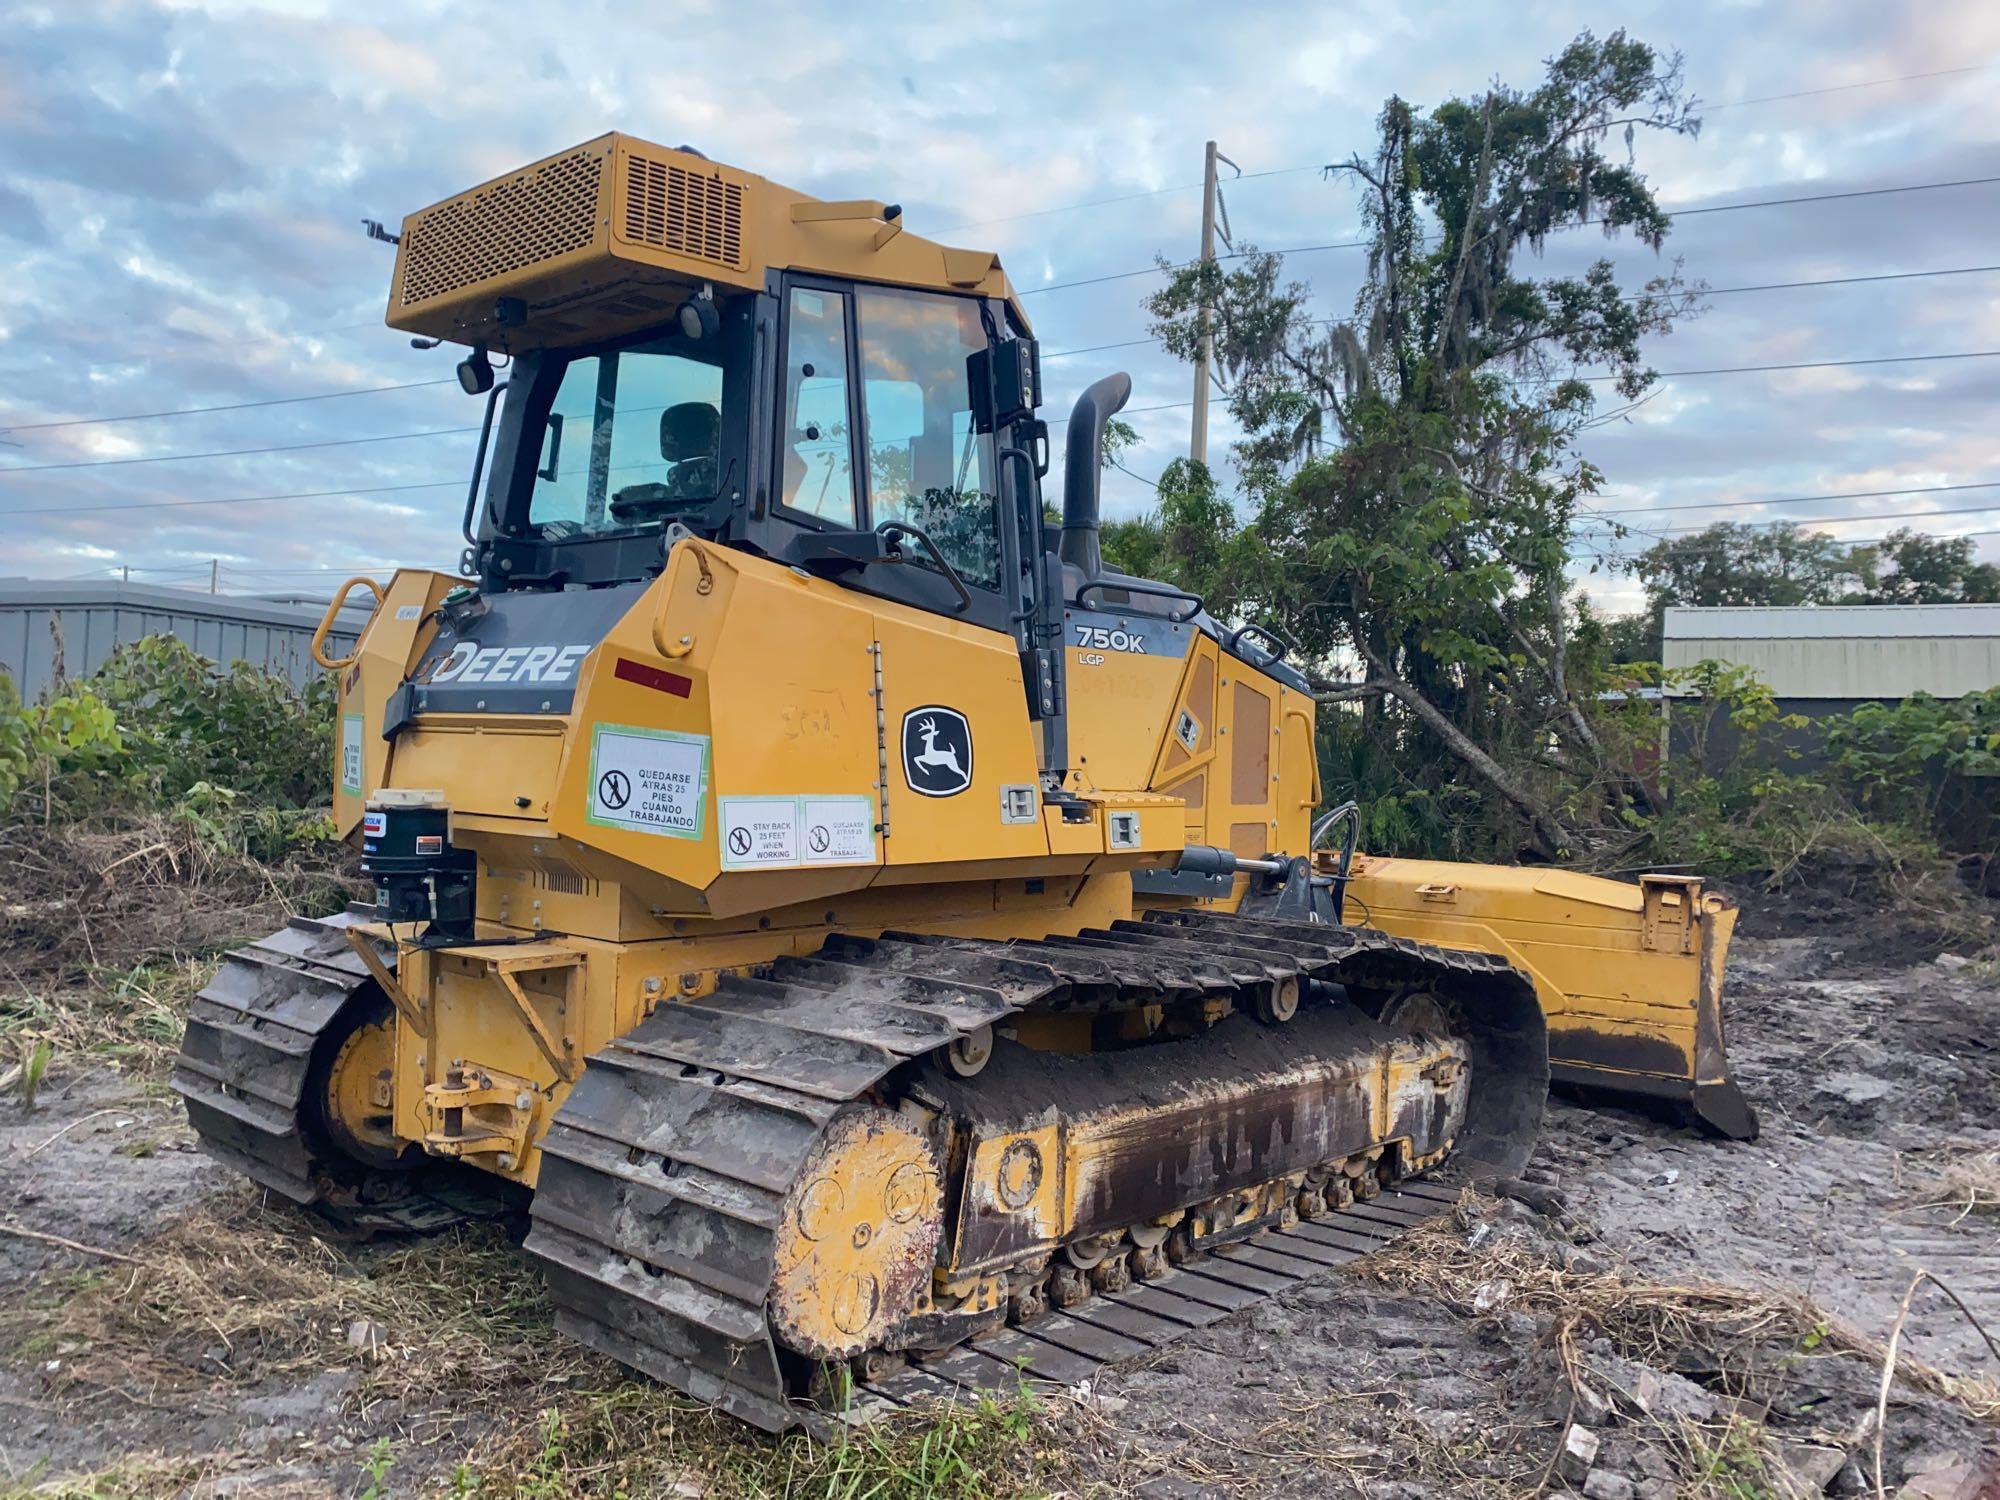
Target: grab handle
(326, 623)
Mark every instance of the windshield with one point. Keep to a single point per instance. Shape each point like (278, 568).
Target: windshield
(927, 467)
(630, 437)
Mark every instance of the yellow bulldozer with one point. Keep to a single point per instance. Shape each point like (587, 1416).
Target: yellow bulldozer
(895, 951)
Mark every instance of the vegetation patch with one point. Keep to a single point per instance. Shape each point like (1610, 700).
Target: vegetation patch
(152, 816)
(451, 1331)
(1963, 1178)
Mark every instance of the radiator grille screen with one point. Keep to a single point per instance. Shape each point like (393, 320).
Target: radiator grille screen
(518, 222)
(673, 209)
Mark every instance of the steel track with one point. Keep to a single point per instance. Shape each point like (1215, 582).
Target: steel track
(1073, 1346)
(249, 1046)
(664, 1171)
(245, 1064)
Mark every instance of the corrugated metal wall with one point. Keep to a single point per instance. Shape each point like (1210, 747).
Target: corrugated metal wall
(1885, 651)
(94, 619)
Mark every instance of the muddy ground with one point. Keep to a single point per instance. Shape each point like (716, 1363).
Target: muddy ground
(209, 1343)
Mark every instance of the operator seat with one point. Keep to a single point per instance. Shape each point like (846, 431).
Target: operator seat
(690, 439)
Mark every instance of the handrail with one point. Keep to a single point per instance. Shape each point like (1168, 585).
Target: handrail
(1234, 640)
(333, 610)
(675, 650)
(479, 462)
(902, 528)
(1141, 586)
(1348, 814)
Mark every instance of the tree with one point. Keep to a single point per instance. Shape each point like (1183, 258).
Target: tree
(1411, 468)
(1736, 563)
(1739, 563)
(1924, 570)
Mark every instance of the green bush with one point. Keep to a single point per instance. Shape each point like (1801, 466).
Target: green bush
(74, 734)
(1926, 762)
(1896, 786)
(158, 728)
(186, 722)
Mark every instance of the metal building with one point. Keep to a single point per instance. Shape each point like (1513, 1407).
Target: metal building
(1826, 658)
(86, 622)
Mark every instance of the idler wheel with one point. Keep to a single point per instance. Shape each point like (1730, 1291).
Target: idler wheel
(857, 1236)
(1278, 1002)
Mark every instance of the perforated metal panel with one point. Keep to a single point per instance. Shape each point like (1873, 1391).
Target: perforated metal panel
(523, 220)
(692, 214)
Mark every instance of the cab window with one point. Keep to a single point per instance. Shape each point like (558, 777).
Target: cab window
(926, 466)
(630, 436)
(815, 458)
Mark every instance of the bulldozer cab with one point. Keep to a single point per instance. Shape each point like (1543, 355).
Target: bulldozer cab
(696, 351)
(842, 427)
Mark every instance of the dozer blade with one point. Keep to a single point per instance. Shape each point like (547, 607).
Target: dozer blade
(1629, 975)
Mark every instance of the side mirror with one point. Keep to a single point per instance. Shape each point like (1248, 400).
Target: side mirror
(1006, 383)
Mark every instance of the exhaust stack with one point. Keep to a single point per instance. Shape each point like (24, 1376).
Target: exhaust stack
(1083, 471)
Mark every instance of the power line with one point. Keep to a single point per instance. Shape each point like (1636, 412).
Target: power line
(196, 411)
(1857, 541)
(1823, 364)
(1133, 411)
(1893, 515)
(1787, 286)
(1663, 533)
(1678, 213)
(1712, 291)
(174, 458)
(1934, 489)
(1817, 364)
(1100, 348)
(379, 489)
(1914, 187)
(1841, 88)
(296, 572)
(1660, 536)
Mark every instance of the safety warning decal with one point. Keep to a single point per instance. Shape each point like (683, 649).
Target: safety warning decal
(838, 830)
(648, 780)
(350, 754)
(758, 831)
(771, 832)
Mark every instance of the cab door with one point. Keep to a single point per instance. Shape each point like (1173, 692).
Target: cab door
(875, 428)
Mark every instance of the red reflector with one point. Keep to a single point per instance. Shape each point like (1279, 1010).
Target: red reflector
(653, 677)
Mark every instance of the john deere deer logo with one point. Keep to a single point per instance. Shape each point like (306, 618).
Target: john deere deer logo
(937, 751)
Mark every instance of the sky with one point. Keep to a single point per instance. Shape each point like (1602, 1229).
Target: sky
(182, 186)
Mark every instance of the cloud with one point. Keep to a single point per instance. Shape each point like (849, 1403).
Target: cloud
(181, 186)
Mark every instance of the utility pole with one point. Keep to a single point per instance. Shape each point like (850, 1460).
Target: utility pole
(214, 573)
(1212, 208)
(125, 573)
(1198, 438)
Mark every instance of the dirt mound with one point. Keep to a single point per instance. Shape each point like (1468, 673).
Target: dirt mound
(81, 897)
(1464, 1361)
(1875, 916)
